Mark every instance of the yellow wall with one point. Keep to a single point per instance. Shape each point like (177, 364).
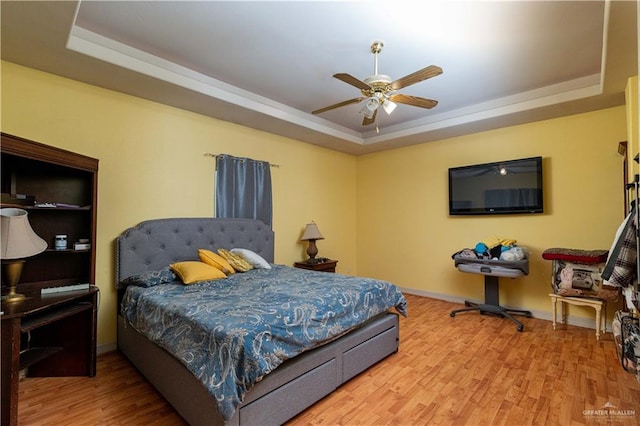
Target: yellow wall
(633, 112)
(383, 215)
(152, 165)
(405, 234)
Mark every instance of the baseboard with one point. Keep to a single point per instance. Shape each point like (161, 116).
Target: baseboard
(109, 347)
(571, 320)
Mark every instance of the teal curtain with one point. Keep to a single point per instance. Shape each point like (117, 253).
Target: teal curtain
(243, 188)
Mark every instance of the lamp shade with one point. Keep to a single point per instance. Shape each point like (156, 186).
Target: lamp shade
(370, 106)
(311, 232)
(389, 106)
(17, 239)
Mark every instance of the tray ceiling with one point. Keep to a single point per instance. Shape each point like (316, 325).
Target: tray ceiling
(268, 64)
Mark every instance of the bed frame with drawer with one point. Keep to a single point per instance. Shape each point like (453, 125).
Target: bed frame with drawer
(289, 389)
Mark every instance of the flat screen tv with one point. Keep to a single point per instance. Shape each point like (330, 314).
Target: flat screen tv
(503, 187)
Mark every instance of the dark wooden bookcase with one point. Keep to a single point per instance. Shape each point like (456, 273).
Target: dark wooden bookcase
(49, 334)
(52, 175)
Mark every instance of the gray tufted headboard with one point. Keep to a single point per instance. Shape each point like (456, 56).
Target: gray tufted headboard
(154, 244)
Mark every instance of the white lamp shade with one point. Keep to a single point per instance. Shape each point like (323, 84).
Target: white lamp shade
(389, 106)
(311, 232)
(17, 239)
(369, 107)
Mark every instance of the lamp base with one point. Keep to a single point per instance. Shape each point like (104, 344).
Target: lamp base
(13, 297)
(13, 270)
(312, 250)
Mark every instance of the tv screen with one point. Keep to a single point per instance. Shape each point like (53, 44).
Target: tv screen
(503, 187)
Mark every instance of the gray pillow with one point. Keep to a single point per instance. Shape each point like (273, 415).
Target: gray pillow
(150, 278)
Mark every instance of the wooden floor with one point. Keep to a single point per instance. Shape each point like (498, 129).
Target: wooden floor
(469, 370)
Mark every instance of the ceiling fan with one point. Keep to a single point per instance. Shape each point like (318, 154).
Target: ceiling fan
(379, 89)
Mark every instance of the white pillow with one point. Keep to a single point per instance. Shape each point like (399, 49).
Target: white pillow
(252, 257)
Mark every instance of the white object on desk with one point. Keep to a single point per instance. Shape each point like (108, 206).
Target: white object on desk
(62, 289)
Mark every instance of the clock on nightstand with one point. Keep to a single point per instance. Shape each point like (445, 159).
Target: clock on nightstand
(327, 265)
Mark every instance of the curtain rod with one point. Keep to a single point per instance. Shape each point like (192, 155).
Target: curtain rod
(208, 154)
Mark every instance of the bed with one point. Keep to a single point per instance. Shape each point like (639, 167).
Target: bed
(292, 376)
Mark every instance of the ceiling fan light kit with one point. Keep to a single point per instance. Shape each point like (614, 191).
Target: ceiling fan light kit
(389, 106)
(370, 107)
(380, 89)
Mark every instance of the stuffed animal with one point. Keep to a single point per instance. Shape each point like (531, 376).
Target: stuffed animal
(566, 283)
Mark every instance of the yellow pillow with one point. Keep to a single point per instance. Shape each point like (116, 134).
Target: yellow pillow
(238, 263)
(194, 271)
(215, 260)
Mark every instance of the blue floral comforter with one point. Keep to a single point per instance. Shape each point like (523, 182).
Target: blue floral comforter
(231, 332)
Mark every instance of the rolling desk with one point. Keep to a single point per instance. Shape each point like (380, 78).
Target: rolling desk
(492, 271)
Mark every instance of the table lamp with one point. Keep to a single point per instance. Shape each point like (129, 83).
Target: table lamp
(311, 234)
(17, 241)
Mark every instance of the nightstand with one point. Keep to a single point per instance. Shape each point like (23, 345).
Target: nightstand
(327, 266)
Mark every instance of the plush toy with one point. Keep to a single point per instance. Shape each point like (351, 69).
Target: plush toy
(566, 283)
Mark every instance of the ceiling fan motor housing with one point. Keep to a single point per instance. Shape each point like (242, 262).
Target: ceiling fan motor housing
(378, 80)
(380, 86)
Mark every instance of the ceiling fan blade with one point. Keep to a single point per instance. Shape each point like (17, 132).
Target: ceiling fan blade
(338, 105)
(366, 121)
(423, 74)
(413, 100)
(349, 79)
